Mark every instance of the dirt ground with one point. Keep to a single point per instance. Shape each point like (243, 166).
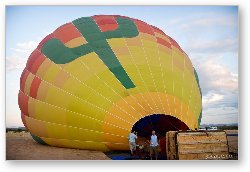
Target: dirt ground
(21, 146)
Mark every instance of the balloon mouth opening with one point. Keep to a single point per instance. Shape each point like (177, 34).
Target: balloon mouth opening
(161, 124)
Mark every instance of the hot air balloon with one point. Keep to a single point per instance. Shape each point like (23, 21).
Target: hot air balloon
(93, 80)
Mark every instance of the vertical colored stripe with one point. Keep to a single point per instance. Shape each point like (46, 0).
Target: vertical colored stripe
(37, 63)
(23, 103)
(34, 87)
(32, 58)
(23, 79)
(24, 120)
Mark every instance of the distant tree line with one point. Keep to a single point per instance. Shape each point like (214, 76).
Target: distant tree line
(19, 129)
(226, 127)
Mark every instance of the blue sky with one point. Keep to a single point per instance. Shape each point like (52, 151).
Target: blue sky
(208, 34)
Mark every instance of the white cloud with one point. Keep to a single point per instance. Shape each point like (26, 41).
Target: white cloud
(215, 76)
(202, 20)
(220, 91)
(213, 46)
(25, 47)
(220, 115)
(211, 98)
(15, 62)
(210, 21)
(19, 55)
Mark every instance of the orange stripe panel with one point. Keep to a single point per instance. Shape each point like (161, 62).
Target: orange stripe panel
(67, 32)
(32, 59)
(37, 63)
(143, 27)
(106, 23)
(23, 103)
(24, 120)
(34, 87)
(156, 29)
(23, 79)
(163, 42)
(174, 43)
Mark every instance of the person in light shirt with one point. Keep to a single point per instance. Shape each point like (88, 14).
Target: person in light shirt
(154, 145)
(132, 145)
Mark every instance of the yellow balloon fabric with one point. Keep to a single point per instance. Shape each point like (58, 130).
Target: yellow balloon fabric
(90, 81)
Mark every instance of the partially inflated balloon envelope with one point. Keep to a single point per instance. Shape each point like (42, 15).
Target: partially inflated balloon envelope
(93, 80)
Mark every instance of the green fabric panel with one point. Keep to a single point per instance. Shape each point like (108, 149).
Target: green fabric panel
(83, 20)
(57, 52)
(109, 59)
(38, 139)
(113, 34)
(81, 50)
(103, 50)
(99, 44)
(94, 37)
(199, 119)
(197, 80)
(122, 78)
(87, 27)
(126, 29)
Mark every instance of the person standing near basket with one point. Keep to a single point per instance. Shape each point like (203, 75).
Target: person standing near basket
(154, 144)
(132, 145)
